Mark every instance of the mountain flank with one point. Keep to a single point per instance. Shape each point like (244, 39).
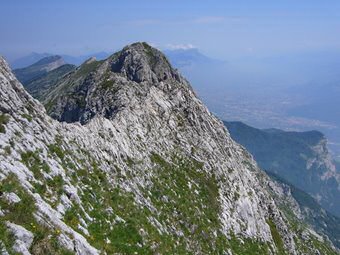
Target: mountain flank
(134, 163)
(40, 77)
(301, 158)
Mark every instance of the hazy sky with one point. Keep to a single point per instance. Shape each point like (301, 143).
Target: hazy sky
(220, 29)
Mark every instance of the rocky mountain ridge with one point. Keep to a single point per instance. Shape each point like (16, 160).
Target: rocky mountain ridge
(42, 85)
(149, 169)
(28, 60)
(38, 69)
(34, 57)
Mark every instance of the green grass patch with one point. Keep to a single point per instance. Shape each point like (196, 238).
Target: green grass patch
(276, 237)
(49, 105)
(27, 117)
(8, 150)
(56, 184)
(187, 197)
(87, 68)
(20, 213)
(34, 163)
(7, 239)
(247, 246)
(71, 217)
(3, 121)
(46, 242)
(55, 149)
(107, 84)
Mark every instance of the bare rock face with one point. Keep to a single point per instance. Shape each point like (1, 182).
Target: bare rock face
(11, 198)
(149, 170)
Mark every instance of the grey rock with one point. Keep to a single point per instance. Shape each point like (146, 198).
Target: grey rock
(11, 198)
(24, 238)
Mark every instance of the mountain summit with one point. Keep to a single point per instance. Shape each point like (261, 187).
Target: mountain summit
(150, 171)
(104, 87)
(140, 62)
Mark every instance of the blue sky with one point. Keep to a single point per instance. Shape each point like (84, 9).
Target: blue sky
(220, 29)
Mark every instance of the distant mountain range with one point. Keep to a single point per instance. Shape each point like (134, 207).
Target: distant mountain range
(74, 60)
(41, 76)
(28, 60)
(181, 58)
(39, 68)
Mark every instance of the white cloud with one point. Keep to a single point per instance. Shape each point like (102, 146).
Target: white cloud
(180, 46)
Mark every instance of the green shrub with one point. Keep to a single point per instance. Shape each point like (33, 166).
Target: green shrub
(22, 212)
(56, 184)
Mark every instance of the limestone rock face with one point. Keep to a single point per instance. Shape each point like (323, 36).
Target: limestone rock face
(147, 170)
(11, 198)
